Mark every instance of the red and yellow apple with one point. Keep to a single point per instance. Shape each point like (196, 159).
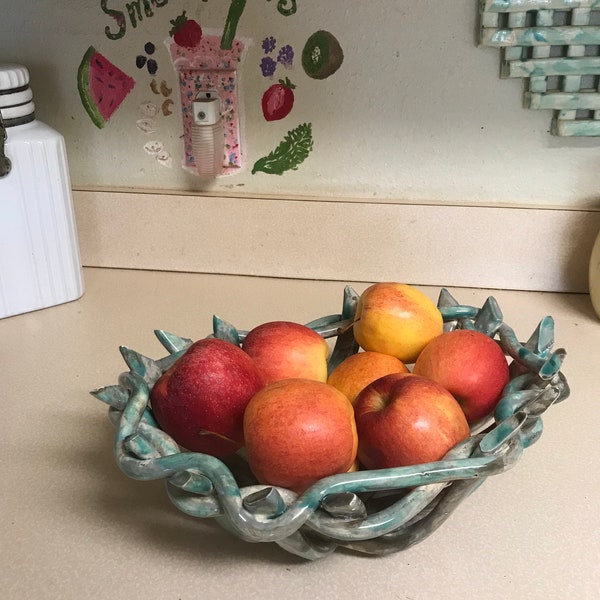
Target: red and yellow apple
(287, 350)
(470, 365)
(200, 401)
(404, 419)
(357, 371)
(298, 431)
(396, 319)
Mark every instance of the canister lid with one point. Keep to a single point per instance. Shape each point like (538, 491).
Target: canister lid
(13, 76)
(16, 97)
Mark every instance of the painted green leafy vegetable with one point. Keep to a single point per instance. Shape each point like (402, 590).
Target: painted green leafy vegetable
(293, 150)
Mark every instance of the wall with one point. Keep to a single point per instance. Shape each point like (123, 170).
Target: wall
(416, 113)
(423, 167)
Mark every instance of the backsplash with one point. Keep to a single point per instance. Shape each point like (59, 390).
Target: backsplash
(383, 102)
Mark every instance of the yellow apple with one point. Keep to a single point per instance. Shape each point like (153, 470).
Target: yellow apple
(357, 371)
(396, 319)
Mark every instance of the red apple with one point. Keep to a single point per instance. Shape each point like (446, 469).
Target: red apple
(403, 419)
(470, 365)
(200, 401)
(298, 431)
(286, 350)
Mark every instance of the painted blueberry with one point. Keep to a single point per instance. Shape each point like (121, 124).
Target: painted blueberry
(286, 56)
(268, 66)
(268, 44)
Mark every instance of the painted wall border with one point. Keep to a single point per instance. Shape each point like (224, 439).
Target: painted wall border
(426, 244)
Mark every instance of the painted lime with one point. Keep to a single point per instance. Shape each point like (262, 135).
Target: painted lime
(102, 86)
(322, 55)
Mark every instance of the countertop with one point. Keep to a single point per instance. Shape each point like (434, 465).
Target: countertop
(73, 526)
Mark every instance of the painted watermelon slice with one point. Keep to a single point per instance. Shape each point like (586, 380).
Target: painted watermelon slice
(102, 86)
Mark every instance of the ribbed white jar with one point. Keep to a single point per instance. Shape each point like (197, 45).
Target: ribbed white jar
(40, 264)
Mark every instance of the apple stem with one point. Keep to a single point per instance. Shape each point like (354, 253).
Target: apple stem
(342, 330)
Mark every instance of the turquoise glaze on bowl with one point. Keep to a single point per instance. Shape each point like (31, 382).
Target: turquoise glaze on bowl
(375, 512)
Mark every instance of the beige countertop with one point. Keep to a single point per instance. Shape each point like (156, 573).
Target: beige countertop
(73, 526)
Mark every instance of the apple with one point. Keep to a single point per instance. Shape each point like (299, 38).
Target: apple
(470, 365)
(404, 419)
(396, 319)
(358, 370)
(287, 350)
(200, 401)
(298, 431)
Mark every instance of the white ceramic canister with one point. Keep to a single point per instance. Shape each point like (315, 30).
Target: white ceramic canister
(40, 264)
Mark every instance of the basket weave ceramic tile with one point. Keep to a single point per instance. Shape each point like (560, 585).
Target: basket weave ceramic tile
(375, 512)
(555, 46)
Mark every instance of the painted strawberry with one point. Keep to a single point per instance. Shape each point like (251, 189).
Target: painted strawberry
(185, 32)
(278, 100)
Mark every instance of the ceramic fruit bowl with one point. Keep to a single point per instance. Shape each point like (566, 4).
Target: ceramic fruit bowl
(375, 512)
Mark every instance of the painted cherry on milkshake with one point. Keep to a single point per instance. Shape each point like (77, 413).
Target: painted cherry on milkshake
(278, 100)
